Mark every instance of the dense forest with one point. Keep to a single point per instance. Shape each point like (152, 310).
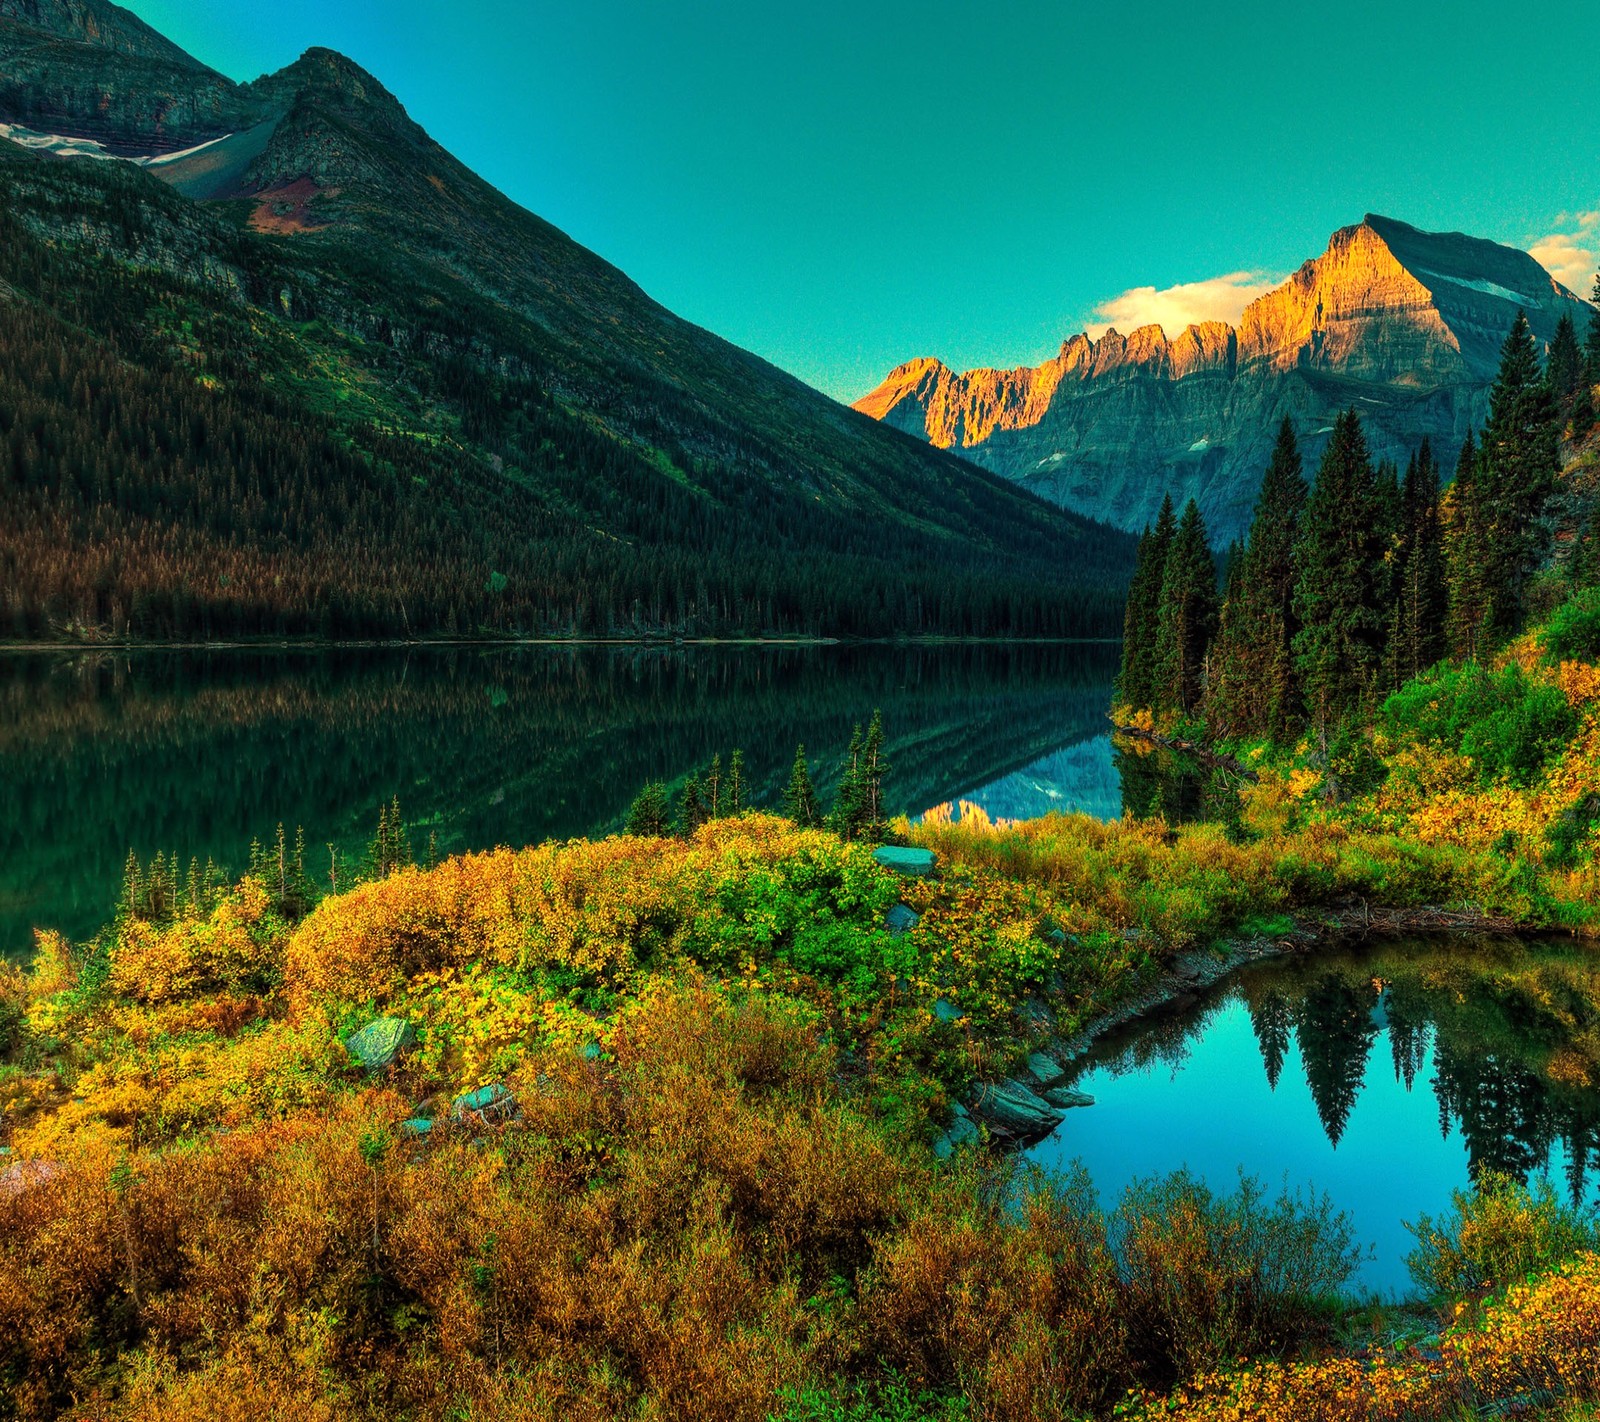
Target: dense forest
(1350, 587)
(205, 436)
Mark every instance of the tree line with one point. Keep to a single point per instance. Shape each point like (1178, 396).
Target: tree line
(1347, 587)
(858, 810)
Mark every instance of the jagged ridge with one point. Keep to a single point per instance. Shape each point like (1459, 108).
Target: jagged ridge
(1405, 324)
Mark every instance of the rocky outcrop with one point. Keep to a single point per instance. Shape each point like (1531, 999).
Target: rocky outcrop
(1403, 324)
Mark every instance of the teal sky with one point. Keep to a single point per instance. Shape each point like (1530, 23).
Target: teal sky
(841, 186)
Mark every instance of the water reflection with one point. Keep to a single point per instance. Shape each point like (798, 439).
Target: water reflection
(197, 752)
(1385, 1078)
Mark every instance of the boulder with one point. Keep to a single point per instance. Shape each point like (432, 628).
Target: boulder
(25, 1175)
(381, 1043)
(960, 1132)
(900, 920)
(489, 1105)
(417, 1128)
(1045, 1069)
(912, 863)
(947, 1011)
(1017, 1109)
(1066, 1098)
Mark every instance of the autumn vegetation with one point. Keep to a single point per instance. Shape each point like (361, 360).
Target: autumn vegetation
(718, 1194)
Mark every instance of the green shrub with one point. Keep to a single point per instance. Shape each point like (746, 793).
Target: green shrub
(13, 1006)
(1506, 724)
(1501, 1230)
(1210, 1277)
(893, 1402)
(1571, 830)
(1573, 633)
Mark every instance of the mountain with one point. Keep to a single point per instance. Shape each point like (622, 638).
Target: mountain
(1404, 325)
(293, 368)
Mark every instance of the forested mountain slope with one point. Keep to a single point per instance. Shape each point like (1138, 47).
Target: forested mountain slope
(315, 376)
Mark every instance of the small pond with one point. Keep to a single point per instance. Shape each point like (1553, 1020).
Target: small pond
(1384, 1078)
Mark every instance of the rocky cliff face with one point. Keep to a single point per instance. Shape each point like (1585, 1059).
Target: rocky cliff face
(1403, 324)
(90, 69)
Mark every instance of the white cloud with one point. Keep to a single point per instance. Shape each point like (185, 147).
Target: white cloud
(1571, 252)
(1221, 298)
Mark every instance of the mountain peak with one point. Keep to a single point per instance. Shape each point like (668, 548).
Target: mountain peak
(98, 23)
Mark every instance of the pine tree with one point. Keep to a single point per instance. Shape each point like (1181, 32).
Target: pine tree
(693, 810)
(1466, 557)
(1585, 565)
(1340, 582)
(1564, 365)
(874, 768)
(1519, 461)
(736, 791)
(650, 815)
(800, 799)
(1423, 603)
(1136, 682)
(1188, 616)
(1583, 410)
(1260, 694)
(848, 805)
(713, 789)
(1592, 340)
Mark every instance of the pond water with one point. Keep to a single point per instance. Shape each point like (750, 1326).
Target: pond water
(1384, 1079)
(198, 752)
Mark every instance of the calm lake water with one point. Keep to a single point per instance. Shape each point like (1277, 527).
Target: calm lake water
(1382, 1078)
(196, 753)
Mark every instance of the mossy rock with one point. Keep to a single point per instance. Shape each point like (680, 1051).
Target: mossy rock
(380, 1044)
(913, 863)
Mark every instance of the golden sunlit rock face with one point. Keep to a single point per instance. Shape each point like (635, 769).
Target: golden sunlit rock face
(1404, 324)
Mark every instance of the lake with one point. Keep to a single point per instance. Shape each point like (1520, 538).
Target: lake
(195, 753)
(1383, 1078)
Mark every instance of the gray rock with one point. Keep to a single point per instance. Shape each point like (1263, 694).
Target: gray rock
(417, 1128)
(1066, 1098)
(382, 1043)
(1045, 1069)
(487, 1106)
(1016, 1108)
(913, 863)
(947, 1011)
(901, 919)
(25, 1175)
(960, 1132)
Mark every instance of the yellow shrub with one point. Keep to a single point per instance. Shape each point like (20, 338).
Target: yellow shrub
(605, 909)
(239, 944)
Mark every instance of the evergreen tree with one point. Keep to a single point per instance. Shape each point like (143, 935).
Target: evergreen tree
(1519, 459)
(1592, 342)
(1466, 557)
(1340, 581)
(1423, 605)
(693, 811)
(1584, 568)
(799, 798)
(874, 767)
(1583, 410)
(1136, 682)
(650, 815)
(1564, 365)
(713, 788)
(1188, 616)
(849, 802)
(734, 799)
(1257, 691)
